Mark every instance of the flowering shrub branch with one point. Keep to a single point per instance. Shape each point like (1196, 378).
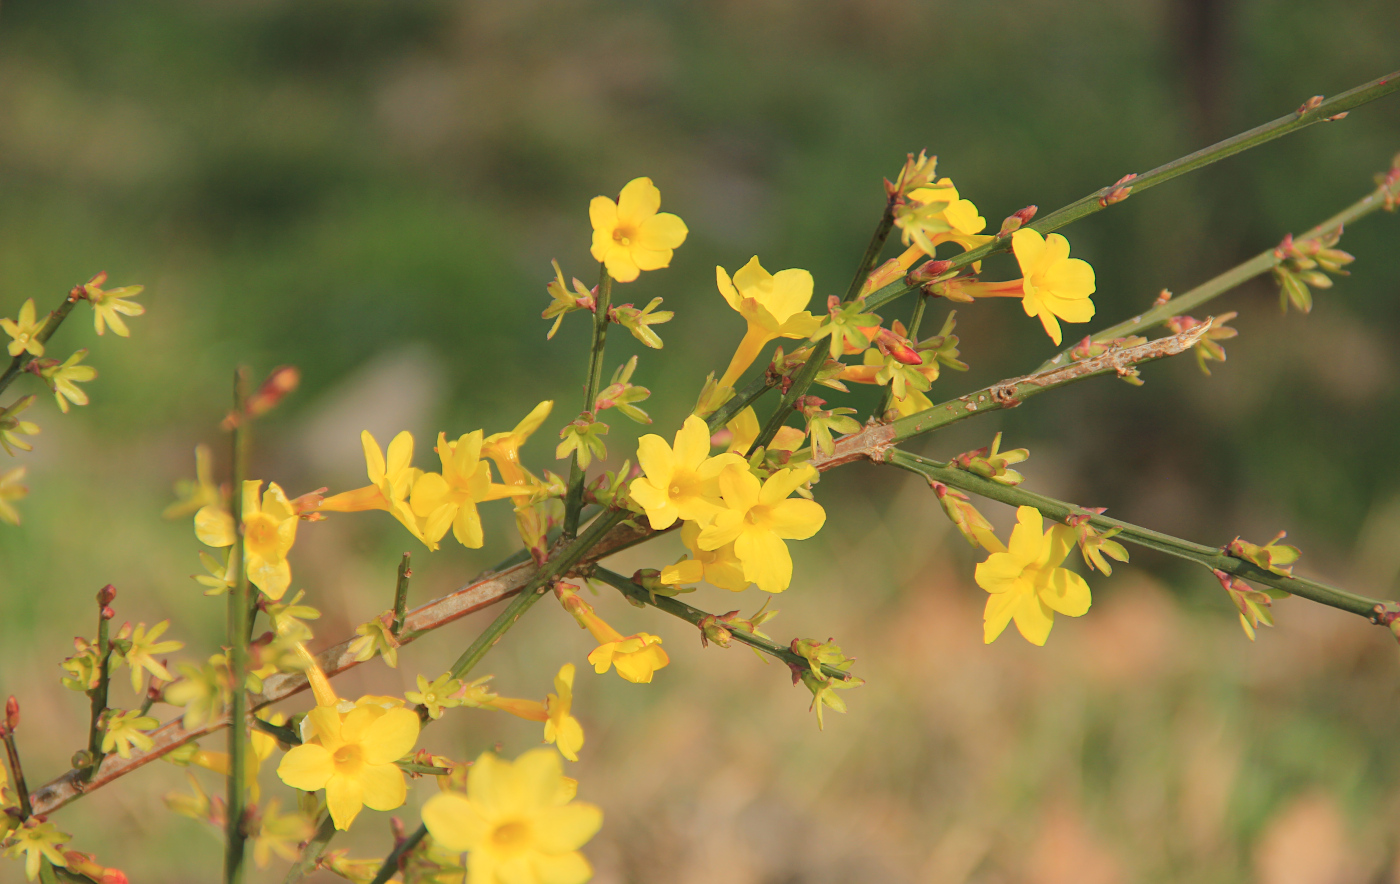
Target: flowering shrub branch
(740, 489)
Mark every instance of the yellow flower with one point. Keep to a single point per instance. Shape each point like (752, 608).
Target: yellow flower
(106, 305)
(26, 331)
(269, 530)
(351, 756)
(142, 653)
(562, 728)
(1055, 285)
(936, 214)
(719, 567)
(1027, 583)
(450, 498)
(758, 518)
(773, 305)
(636, 657)
(680, 482)
(64, 378)
(375, 637)
(11, 489)
(127, 729)
(629, 235)
(517, 820)
(391, 481)
(41, 840)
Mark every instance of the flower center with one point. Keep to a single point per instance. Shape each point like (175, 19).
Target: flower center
(511, 837)
(348, 758)
(261, 533)
(623, 236)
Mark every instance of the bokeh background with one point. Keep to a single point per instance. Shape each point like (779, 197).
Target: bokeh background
(373, 192)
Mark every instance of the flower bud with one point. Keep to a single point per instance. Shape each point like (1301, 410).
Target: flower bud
(106, 595)
(12, 714)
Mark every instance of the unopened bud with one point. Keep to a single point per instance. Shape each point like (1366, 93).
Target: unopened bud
(1016, 220)
(1120, 191)
(108, 612)
(929, 270)
(1311, 104)
(106, 595)
(282, 381)
(12, 714)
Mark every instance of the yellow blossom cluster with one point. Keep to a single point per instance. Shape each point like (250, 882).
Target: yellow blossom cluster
(428, 504)
(743, 521)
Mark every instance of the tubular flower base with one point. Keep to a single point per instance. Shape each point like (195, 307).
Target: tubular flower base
(774, 305)
(636, 657)
(517, 820)
(1027, 583)
(391, 481)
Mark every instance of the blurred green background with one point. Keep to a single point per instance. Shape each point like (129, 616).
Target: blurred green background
(373, 191)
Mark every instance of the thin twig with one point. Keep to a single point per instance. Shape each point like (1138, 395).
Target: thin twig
(1257, 266)
(401, 593)
(1101, 198)
(98, 695)
(235, 835)
(680, 609)
(17, 364)
(573, 501)
(306, 863)
(1211, 557)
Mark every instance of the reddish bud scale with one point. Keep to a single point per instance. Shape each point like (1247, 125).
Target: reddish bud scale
(106, 595)
(11, 714)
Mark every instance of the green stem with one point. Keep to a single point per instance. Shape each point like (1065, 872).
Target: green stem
(1211, 557)
(1257, 266)
(671, 606)
(26, 810)
(98, 695)
(741, 400)
(808, 372)
(1090, 204)
(312, 851)
(51, 325)
(401, 593)
(238, 623)
(573, 502)
(872, 251)
(391, 862)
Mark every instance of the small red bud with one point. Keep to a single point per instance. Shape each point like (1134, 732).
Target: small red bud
(12, 714)
(929, 270)
(106, 595)
(108, 612)
(1311, 104)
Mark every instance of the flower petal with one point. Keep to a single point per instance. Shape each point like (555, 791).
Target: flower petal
(383, 785)
(639, 200)
(454, 822)
(307, 767)
(562, 829)
(391, 737)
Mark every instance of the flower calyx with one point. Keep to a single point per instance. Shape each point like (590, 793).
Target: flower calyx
(1273, 556)
(990, 462)
(639, 322)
